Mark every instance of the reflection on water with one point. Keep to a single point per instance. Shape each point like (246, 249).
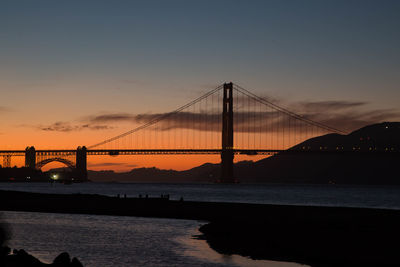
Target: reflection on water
(118, 241)
(201, 250)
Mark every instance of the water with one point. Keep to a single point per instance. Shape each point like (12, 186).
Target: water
(387, 197)
(134, 241)
(119, 241)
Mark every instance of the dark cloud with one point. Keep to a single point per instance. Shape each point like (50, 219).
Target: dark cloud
(108, 164)
(328, 105)
(350, 121)
(69, 127)
(186, 120)
(112, 117)
(58, 127)
(131, 165)
(343, 115)
(181, 117)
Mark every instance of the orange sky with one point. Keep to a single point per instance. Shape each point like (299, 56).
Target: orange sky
(62, 65)
(70, 136)
(126, 163)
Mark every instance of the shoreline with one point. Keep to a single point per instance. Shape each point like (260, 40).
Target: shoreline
(317, 236)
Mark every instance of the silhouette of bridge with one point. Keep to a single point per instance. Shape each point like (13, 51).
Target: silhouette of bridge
(228, 120)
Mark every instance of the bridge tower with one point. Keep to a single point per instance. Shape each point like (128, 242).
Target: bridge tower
(227, 135)
(81, 163)
(30, 157)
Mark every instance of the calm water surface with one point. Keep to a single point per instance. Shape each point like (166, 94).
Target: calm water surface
(134, 241)
(323, 195)
(119, 241)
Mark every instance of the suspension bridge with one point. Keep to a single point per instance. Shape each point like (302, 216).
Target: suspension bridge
(228, 120)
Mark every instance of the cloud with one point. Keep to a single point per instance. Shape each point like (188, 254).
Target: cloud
(107, 164)
(186, 120)
(69, 127)
(112, 164)
(343, 115)
(352, 120)
(112, 117)
(328, 105)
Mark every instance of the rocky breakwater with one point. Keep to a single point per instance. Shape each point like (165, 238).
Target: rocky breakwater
(20, 258)
(316, 236)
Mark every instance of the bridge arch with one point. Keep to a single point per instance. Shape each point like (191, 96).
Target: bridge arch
(67, 162)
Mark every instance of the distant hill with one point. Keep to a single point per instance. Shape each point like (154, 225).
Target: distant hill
(205, 173)
(357, 168)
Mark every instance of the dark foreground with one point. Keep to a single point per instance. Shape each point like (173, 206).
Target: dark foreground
(318, 236)
(20, 258)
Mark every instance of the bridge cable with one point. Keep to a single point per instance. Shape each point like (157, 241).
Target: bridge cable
(286, 111)
(158, 119)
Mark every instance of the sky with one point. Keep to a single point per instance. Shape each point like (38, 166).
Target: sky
(64, 63)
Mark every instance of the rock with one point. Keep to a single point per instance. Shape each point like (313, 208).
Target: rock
(62, 260)
(76, 263)
(20, 258)
(4, 251)
(23, 259)
(21, 252)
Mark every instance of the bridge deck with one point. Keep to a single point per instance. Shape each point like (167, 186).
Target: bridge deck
(115, 152)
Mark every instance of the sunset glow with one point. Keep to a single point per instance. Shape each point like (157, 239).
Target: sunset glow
(69, 81)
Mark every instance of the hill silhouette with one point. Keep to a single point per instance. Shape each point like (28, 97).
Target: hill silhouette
(204, 173)
(359, 167)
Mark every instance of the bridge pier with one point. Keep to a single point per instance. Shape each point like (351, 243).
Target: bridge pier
(30, 157)
(227, 154)
(81, 163)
